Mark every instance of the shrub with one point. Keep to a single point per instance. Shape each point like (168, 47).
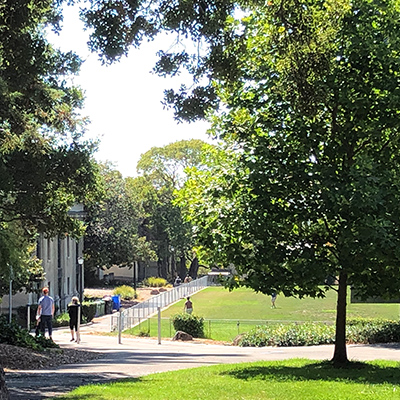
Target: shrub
(88, 311)
(364, 330)
(61, 320)
(144, 333)
(289, 335)
(126, 292)
(155, 282)
(12, 333)
(357, 331)
(189, 323)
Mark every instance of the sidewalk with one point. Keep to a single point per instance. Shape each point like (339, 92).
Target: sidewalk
(139, 357)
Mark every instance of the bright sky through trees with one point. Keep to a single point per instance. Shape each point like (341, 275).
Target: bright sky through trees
(123, 101)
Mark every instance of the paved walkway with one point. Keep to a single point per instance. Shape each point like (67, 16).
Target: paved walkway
(139, 357)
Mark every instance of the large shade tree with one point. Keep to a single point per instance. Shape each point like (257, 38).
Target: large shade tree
(311, 190)
(162, 172)
(112, 233)
(45, 165)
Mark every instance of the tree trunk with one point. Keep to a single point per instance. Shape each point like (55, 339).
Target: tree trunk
(182, 268)
(194, 268)
(340, 355)
(162, 269)
(3, 386)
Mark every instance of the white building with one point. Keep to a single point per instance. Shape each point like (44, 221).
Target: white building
(63, 273)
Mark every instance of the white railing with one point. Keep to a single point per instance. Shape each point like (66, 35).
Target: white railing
(135, 315)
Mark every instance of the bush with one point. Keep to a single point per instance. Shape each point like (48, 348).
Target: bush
(155, 282)
(61, 320)
(12, 333)
(189, 323)
(126, 292)
(88, 310)
(289, 335)
(358, 331)
(364, 330)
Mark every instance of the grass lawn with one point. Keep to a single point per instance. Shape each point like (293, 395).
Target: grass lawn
(294, 379)
(227, 313)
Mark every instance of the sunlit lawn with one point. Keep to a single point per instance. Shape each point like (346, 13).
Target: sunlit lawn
(227, 313)
(278, 380)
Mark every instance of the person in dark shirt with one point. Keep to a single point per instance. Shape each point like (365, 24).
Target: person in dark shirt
(188, 306)
(73, 317)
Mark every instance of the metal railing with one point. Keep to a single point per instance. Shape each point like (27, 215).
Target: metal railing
(135, 315)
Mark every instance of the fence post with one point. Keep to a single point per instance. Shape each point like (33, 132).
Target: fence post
(78, 326)
(159, 325)
(28, 317)
(120, 327)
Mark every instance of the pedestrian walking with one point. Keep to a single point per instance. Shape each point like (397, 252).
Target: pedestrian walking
(45, 312)
(188, 306)
(73, 311)
(273, 300)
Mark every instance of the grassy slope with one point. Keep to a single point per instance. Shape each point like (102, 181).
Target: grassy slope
(216, 303)
(284, 380)
(219, 303)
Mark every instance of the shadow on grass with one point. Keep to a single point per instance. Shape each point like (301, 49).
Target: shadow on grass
(357, 372)
(97, 396)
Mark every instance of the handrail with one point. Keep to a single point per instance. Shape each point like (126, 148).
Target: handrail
(138, 313)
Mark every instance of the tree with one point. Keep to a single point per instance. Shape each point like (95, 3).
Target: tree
(45, 165)
(112, 236)
(312, 188)
(163, 171)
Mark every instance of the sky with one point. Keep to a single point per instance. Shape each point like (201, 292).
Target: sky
(123, 101)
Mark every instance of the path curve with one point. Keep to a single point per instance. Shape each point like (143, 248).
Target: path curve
(139, 357)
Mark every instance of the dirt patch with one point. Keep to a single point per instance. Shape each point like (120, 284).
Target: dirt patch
(143, 293)
(21, 358)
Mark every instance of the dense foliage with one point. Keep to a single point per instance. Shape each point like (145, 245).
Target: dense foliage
(126, 292)
(154, 281)
(189, 323)
(308, 192)
(12, 333)
(309, 334)
(112, 234)
(162, 171)
(45, 165)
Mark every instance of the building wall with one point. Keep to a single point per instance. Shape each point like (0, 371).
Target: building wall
(59, 256)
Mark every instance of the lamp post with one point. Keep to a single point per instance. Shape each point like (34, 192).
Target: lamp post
(81, 284)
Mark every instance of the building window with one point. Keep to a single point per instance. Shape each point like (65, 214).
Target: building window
(68, 286)
(68, 247)
(49, 249)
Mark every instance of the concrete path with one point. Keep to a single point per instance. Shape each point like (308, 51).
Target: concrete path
(139, 357)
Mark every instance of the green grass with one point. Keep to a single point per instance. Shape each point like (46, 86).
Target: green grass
(217, 305)
(277, 380)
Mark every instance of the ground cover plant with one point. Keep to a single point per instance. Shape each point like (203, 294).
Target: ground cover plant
(227, 314)
(287, 380)
(126, 292)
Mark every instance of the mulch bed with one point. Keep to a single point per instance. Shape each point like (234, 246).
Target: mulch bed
(20, 358)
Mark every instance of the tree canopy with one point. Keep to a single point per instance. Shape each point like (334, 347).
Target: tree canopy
(112, 234)
(45, 164)
(163, 171)
(311, 190)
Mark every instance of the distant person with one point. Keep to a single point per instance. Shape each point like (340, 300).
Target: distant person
(188, 306)
(45, 312)
(273, 300)
(73, 317)
(178, 281)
